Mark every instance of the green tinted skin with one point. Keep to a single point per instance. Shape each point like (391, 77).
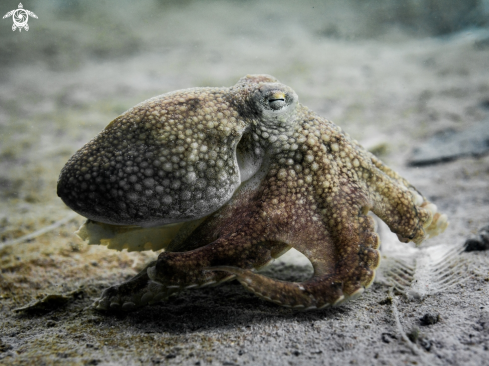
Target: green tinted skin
(258, 174)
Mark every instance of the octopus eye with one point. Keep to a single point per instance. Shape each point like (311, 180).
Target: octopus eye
(276, 101)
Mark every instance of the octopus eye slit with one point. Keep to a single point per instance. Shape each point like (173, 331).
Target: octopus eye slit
(276, 101)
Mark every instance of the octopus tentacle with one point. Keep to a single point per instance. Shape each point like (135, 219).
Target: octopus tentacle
(316, 293)
(188, 268)
(399, 207)
(343, 252)
(353, 273)
(175, 272)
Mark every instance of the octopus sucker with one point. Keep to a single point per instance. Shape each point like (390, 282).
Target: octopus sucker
(223, 180)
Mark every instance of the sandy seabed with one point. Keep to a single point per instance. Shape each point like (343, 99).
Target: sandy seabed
(390, 93)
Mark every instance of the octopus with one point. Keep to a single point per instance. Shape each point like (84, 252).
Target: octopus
(224, 180)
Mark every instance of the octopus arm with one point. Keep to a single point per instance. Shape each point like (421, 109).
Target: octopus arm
(400, 205)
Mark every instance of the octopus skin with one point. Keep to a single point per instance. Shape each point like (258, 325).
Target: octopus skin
(225, 180)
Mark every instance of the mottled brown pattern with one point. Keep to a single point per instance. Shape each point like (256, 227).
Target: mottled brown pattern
(268, 173)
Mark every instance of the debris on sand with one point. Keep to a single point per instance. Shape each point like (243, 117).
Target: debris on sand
(478, 242)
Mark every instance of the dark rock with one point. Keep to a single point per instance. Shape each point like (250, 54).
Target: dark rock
(426, 344)
(478, 242)
(430, 319)
(386, 301)
(450, 144)
(474, 245)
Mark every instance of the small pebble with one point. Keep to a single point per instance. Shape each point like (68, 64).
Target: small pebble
(479, 242)
(430, 319)
(386, 301)
(426, 344)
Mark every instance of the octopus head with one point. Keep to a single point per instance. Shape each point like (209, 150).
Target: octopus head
(179, 156)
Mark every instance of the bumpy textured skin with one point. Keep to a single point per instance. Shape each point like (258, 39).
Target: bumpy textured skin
(268, 173)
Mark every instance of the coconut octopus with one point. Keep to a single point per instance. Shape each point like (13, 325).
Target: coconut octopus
(226, 179)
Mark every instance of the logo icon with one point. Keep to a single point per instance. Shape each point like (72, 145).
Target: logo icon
(20, 17)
